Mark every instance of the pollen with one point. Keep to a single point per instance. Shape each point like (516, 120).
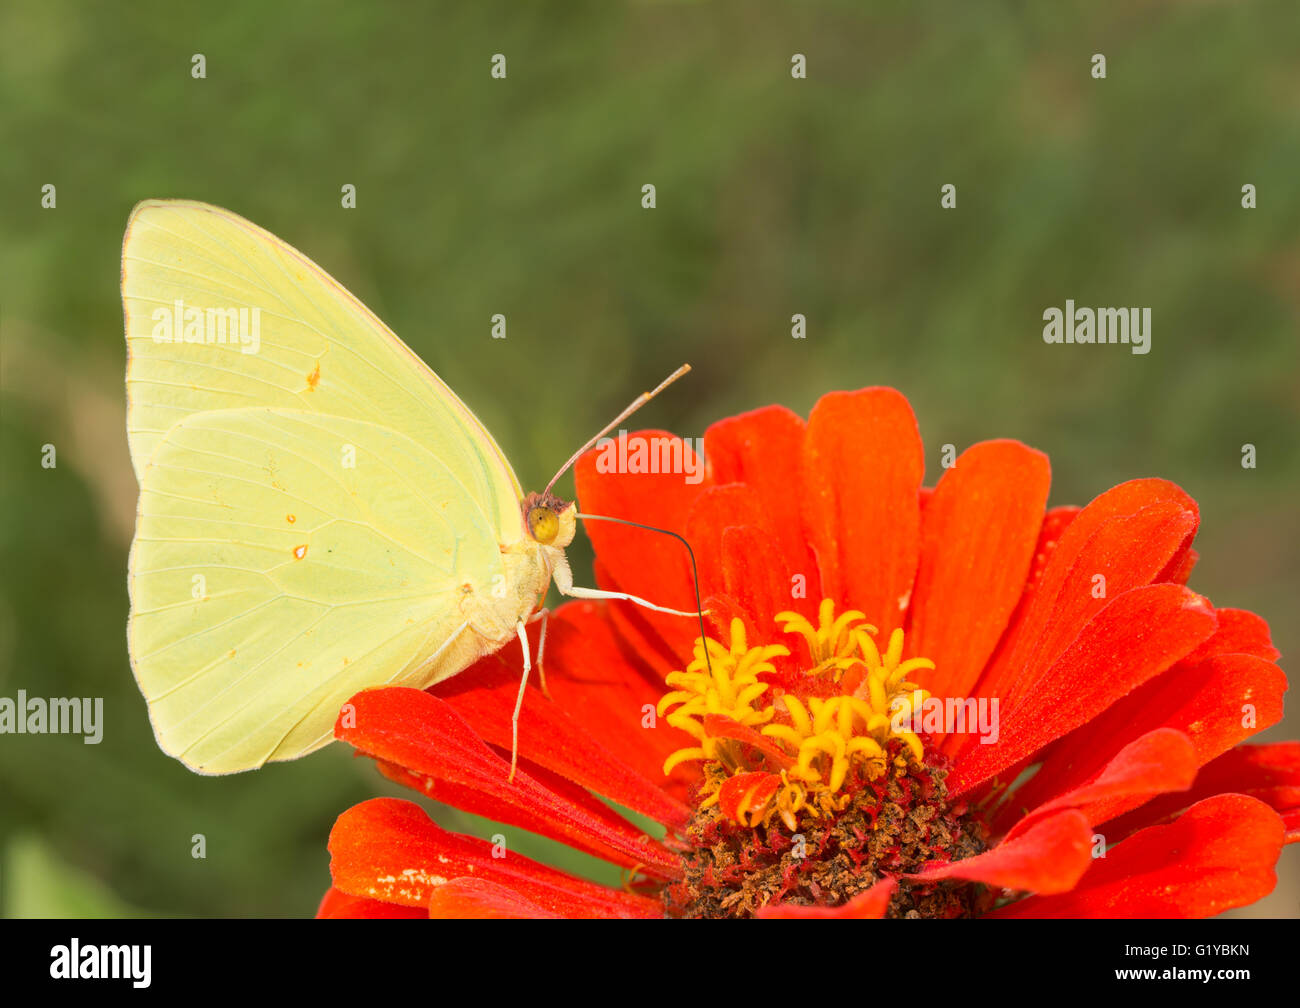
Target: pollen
(796, 754)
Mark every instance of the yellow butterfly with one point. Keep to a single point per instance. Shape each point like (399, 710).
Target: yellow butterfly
(319, 513)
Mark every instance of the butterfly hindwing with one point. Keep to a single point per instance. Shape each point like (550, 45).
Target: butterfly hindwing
(285, 560)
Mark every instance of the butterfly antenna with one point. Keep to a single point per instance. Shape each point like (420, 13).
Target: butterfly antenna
(695, 576)
(635, 405)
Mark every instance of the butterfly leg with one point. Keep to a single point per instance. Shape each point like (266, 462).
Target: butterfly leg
(543, 615)
(564, 581)
(522, 629)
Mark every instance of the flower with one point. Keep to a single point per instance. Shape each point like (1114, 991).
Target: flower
(912, 701)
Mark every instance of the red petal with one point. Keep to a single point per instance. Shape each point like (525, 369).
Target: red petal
(869, 905)
(604, 679)
(1055, 522)
(1238, 632)
(721, 726)
(978, 537)
(1128, 535)
(1049, 857)
(741, 559)
(390, 850)
(637, 635)
(1136, 636)
(762, 587)
(714, 512)
(491, 807)
(595, 721)
(861, 484)
(643, 563)
(1179, 569)
(479, 899)
(338, 905)
(764, 450)
(424, 734)
(1205, 701)
(1126, 552)
(1162, 760)
(1220, 854)
(1291, 823)
(746, 791)
(1270, 773)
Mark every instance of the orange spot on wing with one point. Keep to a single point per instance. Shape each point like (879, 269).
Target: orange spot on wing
(290, 519)
(313, 379)
(300, 551)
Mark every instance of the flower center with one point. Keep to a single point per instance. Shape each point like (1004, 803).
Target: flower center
(811, 791)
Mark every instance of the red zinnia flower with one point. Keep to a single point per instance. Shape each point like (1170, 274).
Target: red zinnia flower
(925, 702)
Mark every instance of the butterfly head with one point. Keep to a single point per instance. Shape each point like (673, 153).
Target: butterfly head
(549, 520)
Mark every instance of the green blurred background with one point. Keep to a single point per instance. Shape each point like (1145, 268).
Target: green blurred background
(776, 196)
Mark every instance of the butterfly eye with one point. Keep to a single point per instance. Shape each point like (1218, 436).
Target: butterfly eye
(544, 524)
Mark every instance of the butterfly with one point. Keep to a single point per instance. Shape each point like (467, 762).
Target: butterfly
(319, 513)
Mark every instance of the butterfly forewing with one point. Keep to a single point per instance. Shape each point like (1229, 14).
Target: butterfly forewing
(187, 266)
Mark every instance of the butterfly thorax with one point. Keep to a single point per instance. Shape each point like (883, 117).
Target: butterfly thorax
(493, 608)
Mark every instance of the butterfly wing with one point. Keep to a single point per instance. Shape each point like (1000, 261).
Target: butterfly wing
(314, 500)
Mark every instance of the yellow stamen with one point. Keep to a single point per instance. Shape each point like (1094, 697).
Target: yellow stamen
(727, 684)
(829, 740)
